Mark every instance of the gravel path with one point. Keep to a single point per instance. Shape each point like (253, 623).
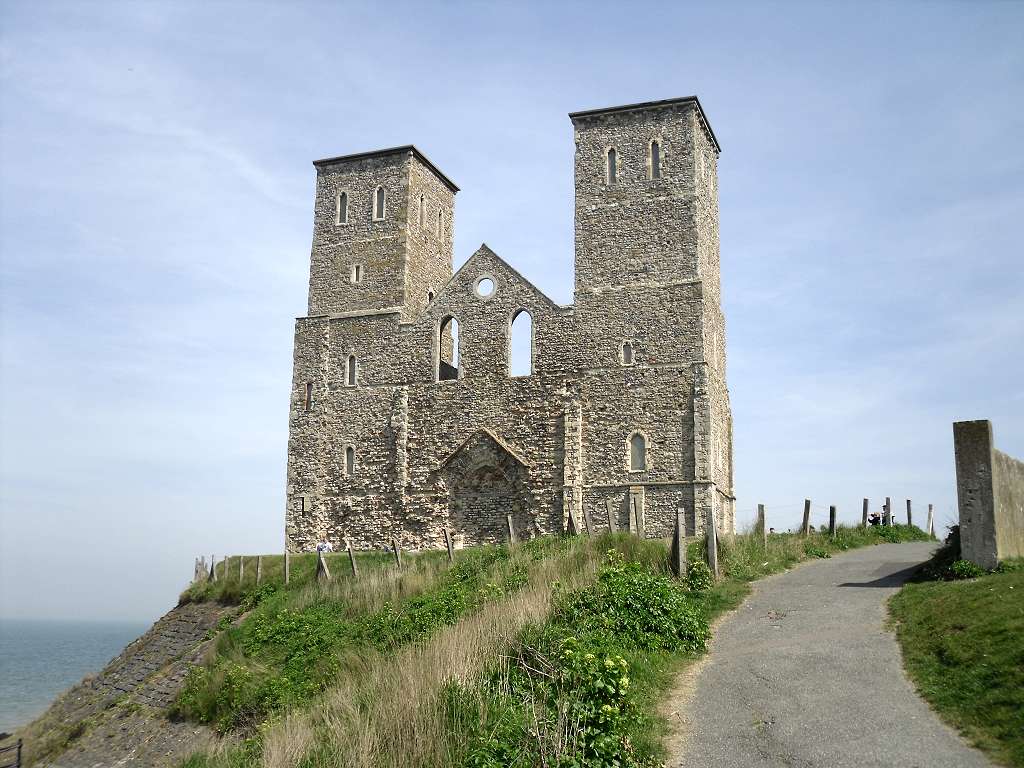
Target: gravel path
(804, 674)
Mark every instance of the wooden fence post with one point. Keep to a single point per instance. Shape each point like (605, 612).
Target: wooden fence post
(832, 521)
(887, 514)
(241, 568)
(677, 559)
(397, 551)
(805, 529)
(512, 529)
(588, 521)
(864, 516)
(612, 526)
(448, 545)
(287, 567)
(259, 569)
(910, 517)
(931, 522)
(323, 573)
(213, 567)
(712, 542)
(352, 558)
(761, 523)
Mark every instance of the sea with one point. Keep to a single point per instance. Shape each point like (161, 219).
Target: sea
(41, 659)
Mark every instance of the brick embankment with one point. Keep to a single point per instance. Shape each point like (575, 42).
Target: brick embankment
(119, 717)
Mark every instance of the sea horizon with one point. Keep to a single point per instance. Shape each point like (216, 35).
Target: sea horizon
(40, 658)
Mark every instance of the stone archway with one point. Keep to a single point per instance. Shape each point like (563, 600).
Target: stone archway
(486, 482)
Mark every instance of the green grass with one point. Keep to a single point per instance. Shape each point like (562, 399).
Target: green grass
(963, 646)
(570, 673)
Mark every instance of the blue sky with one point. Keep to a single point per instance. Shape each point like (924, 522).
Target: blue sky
(155, 220)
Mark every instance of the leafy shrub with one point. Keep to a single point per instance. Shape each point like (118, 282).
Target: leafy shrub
(698, 576)
(813, 550)
(638, 608)
(965, 569)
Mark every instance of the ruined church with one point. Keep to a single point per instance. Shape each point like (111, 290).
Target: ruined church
(405, 417)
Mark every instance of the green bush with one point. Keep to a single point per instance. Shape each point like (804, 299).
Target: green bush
(965, 569)
(698, 576)
(636, 607)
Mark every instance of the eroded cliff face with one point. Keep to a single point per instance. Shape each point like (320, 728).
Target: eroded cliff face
(120, 716)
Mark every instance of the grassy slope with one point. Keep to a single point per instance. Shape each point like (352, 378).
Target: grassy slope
(963, 646)
(455, 695)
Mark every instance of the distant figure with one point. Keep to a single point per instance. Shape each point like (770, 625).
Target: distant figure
(771, 530)
(874, 519)
(324, 546)
(811, 528)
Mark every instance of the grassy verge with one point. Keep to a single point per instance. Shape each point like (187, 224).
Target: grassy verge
(562, 664)
(963, 646)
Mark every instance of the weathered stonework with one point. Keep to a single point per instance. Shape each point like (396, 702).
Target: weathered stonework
(990, 492)
(398, 449)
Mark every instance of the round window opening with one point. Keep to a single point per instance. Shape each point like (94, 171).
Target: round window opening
(484, 287)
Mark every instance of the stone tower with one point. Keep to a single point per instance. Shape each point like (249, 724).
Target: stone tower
(624, 415)
(382, 233)
(648, 279)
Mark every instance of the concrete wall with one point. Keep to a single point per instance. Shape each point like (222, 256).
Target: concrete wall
(990, 491)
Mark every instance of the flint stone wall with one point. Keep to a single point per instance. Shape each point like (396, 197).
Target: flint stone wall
(462, 454)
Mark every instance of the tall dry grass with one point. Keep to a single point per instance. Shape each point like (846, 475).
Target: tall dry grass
(390, 712)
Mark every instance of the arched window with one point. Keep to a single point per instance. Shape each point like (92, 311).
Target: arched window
(350, 460)
(423, 209)
(612, 166)
(637, 452)
(342, 208)
(378, 203)
(351, 379)
(627, 353)
(520, 358)
(448, 349)
(655, 160)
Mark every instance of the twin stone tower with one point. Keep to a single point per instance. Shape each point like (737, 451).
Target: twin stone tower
(405, 416)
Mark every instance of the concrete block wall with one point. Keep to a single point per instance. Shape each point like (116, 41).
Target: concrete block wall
(990, 494)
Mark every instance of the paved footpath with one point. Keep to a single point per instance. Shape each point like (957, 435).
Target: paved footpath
(805, 675)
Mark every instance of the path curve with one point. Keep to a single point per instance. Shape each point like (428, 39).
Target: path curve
(805, 675)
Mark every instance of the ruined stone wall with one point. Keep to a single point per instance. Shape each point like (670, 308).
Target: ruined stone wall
(429, 454)
(990, 492)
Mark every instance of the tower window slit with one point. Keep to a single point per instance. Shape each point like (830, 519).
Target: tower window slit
(350, 460)
(612, 166)
(309, 395)
(655, 160)
(343, 208)
(637, 453)
(351, 370)
(378, 212)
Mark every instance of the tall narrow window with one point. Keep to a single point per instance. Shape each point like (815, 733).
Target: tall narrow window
(655, 160)
(627, 354)
(520, 359)
(612, 166)
(378, 203)
(423, 210)
(637, 453)
(440, 215)
(351, 370)
(357, 273)
(430, 296)
(309, 395)
(350, 460)
(343, 208)
(448, 349)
